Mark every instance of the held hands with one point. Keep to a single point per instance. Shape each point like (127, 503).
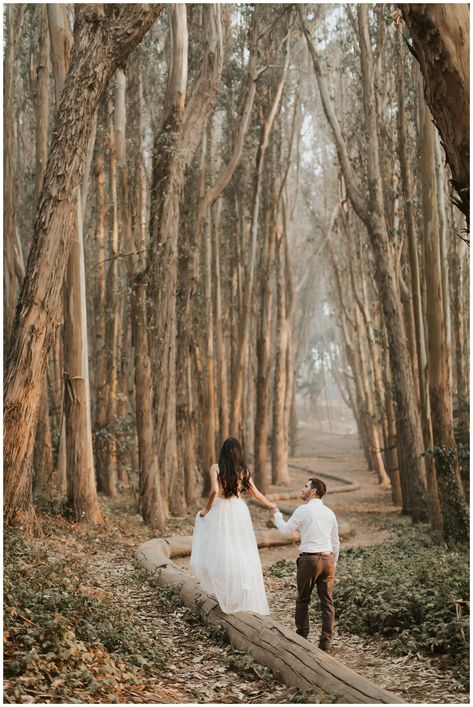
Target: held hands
(272, 508)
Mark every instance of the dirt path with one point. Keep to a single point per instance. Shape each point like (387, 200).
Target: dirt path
(199, 669)
(415, 679)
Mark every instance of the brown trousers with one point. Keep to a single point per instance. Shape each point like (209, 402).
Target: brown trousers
(320, 570)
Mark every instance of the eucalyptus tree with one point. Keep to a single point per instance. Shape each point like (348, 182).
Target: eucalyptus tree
(12, 254)
(372, 215)
(244, 327)
(103, 37)
(451, 495)
(440, 36)
(80, 469)
(178, 137)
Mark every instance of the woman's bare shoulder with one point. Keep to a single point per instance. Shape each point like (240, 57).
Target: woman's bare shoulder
(214, 468)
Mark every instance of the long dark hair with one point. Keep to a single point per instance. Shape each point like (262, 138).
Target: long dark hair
(233, 473)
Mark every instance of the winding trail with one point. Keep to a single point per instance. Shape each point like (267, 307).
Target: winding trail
(416, 679)
(201, 670)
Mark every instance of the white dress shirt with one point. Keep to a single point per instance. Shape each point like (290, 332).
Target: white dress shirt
(316, 524)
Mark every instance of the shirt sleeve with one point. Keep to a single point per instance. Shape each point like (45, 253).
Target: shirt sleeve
(335, 540)
(289, 527)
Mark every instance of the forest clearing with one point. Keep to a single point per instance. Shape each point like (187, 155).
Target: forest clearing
(236, 275)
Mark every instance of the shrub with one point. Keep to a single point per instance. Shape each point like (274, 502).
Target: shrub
(405, 592)
(60, 639)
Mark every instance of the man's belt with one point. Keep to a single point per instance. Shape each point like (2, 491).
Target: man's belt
(324, 554)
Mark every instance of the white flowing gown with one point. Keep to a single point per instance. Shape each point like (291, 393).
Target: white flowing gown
(225, 557)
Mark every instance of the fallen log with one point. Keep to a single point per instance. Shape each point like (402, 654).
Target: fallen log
(181, 545)
(292, 659)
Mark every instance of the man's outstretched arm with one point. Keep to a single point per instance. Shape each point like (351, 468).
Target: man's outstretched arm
(292, 525)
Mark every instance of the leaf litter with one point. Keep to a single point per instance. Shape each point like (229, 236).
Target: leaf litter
(197, 666)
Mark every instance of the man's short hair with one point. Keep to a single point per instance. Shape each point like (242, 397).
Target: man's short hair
(319, 486)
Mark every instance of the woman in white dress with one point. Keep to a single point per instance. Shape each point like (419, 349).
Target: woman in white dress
(225, 556)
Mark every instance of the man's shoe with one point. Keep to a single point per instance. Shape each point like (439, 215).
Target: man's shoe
(325, 646)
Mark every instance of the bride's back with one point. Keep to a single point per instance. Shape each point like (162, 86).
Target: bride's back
(233, 474)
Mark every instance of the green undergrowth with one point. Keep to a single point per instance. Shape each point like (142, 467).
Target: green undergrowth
(63, 641)
(405, 592)
(402, 592)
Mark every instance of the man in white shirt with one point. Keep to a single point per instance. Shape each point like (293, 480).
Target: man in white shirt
(319, 550)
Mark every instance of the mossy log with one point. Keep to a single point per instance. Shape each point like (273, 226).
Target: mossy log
(292, 659)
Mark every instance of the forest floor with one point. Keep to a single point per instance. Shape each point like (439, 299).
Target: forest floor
(196, 666)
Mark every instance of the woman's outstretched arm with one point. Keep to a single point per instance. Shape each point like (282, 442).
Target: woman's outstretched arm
(259, 496)
(213, 490)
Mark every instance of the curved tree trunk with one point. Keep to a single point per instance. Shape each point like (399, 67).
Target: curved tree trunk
(80, 472)
(441, 44)
(101, 41)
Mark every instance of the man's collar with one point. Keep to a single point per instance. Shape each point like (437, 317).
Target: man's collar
(317, 500)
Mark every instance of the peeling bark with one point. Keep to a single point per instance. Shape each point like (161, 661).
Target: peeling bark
(103, 37)
(441, 44)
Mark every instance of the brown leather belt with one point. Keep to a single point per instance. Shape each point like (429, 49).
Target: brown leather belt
(324, 554)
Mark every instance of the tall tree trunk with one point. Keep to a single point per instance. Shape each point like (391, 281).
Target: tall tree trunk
(263, 353)
(100, 306)
(452, 500)
(460, 338)
(101, 41)
(290, 308)
(238, 370)
(124, 364)
(209, 431)
(152, 507)
(372, 214)
(167, 179)
(42, 105)
(11, 255)
(444, 259)
(106, 442)
(441, 44)
(43, 454)
(219, 339)
(279, 469)
(421, 349)
(181, 132)
(81, 490)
